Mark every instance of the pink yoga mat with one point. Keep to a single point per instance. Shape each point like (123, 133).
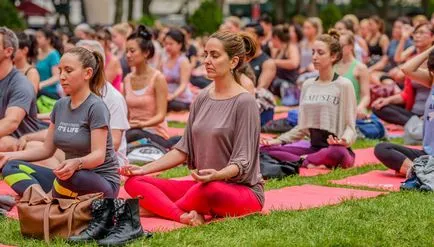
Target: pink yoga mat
(175, 131)
(365, 156)
(386, 180)
(311, 196)
(181, 117)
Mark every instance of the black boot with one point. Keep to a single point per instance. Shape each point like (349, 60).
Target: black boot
(127, 224)
(101, 223)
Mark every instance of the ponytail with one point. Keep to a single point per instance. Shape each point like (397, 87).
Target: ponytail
(97, 81)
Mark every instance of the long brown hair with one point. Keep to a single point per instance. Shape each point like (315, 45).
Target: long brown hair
(94, 60)
(241, 45)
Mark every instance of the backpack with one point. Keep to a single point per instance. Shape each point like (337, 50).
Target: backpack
(273, 168)
(370, 128)
(293, 117)
(413, 131)
(144, 151)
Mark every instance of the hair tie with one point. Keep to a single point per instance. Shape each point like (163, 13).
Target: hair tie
(145, 35)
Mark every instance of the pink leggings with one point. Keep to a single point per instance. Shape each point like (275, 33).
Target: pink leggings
(331, 156)
(171, 198)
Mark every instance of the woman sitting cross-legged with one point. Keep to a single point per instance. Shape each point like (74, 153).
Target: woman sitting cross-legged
(327, 114)
(220, 144)
(400, 158)
(80, 128)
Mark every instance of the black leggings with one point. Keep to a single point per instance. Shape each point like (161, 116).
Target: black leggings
(137, 134)
(21, 175)
(393, 114)
(175, 105)
(393, 155)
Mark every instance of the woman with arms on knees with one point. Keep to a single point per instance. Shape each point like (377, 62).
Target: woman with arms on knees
(354, 70)
(145, 92)
(220, 144)
(327, 114)
(400, 158)
(177, 70)
(399, 108)
(80, 128)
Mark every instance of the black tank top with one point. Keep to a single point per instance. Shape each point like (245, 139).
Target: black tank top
(256, 64)
(375, 49)
(289, 75)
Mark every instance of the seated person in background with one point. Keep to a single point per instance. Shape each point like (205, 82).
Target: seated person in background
(399, 108)
(24, 58)
(176, 69)
(117, 107)
(145, 92)
(265, 71)
(327, 114)
(79, 127)
(286, 59)
(398, 157)
(18, 114)
(221, 144)
(357, 72)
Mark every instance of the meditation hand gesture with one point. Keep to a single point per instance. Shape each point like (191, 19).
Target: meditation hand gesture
(22, 143)
(66, 169)
(205, 175)
(336, 141)
(131, 170)
(136, 124)
(270, 142)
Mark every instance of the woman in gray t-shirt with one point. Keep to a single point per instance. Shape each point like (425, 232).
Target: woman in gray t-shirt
(80, 128)
(220, 145)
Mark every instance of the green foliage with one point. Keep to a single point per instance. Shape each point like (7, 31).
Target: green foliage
(207, 18)
(147, 20)
(9, 16)
(329, 15)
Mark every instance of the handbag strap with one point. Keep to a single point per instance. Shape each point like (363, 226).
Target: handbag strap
(71, 218)
(47, 223)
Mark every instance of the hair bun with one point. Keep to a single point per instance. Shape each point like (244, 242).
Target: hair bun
(334, 34)
(143, 32)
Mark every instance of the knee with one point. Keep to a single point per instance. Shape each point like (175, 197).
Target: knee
(130, 183)
(381, 150)
(8, 144)
(337, 153)
(212, 190)
(10, 167)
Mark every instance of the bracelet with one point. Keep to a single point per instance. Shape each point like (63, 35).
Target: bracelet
(80, 165)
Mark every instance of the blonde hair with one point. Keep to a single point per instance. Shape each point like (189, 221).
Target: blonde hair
(122, 28)
(317, 24)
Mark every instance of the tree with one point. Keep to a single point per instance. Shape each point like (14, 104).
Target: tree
(119, 9)
(145, 7)
(9, 16)
(130, 9)
(382, 9)
(424, 4)
(312, 9)
(63, 8)
(207, 18)
(298, 6)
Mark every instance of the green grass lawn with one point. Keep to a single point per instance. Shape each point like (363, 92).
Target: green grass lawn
(396, 219)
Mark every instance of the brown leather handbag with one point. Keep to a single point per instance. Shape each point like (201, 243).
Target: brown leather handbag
(42, 216)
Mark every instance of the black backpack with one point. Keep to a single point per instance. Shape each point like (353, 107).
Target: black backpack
(274, 168)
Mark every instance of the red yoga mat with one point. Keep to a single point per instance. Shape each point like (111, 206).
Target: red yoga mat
(175, 131)
(386, 180)
(311, 196)
(280, 115)
(365, 156)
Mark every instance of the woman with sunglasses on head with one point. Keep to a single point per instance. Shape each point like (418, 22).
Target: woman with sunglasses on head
(400, 158)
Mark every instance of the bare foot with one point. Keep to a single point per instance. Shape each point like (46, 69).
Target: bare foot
(145, 213)
(192, 218)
